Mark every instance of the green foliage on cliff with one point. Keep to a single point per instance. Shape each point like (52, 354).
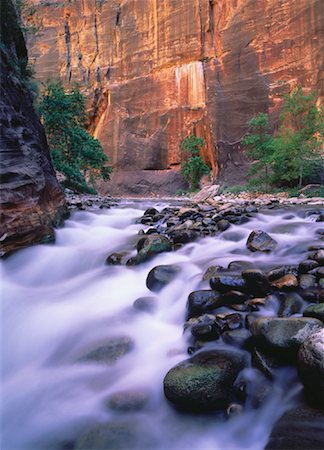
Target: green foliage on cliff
(193, 168)
(75, 153)
(291, 155)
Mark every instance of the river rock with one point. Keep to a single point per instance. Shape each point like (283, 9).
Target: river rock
(228, 282)
(279, 272)
(183, 236)
(311, 366)
(234, 298)
(292, 304)
(161, 276)
(316, 311)
(237, 338)
(205, 381)
(229, 321)
(284, 335)
(211, 272)
(298, 429)
(286, 283)
(319, 257)
(260, 241)
(115, 259)
(110, 351)
(266, 363)
(307, 281)
(146, 304)
(116, 435)
(126, 401)
(223, 225)
(252, 387)
(202, 301)
(151, 212)
(150, 245)
(307, 265)
(256, 281)
(204, 328)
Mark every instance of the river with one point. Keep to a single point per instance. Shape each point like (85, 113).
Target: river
(59, 301)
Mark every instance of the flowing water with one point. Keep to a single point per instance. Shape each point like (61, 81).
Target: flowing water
(60, 301)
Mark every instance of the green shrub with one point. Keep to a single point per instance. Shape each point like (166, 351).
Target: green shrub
(75, 153)
(193, 168)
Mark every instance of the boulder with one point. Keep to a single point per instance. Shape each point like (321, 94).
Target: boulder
(228, 282)
(286, 283)
(298, 429)
(283, 336)
(205, 381)
(150, 245)
(238, 338)
(256, 281)
(161, 276)
(311, 366)
(307, 281)
(316, 311)
(260, 241)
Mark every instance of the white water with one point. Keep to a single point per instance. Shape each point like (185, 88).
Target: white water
(60, 301)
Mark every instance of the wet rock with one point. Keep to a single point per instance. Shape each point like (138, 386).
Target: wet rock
(256, 281)
(307, 281)
(211, 272)
(151, 212)
(205, 381)
(234, 297)
(286, 283)
(117, 435)
(150, 245)
(183, 236)
(202, 301)
(279, 272)
(234, 410)
(298, 429)
(228, 282)
(237, 338)
(161, 276)
(316, 311)
(313, 295)
(319, 257)
(115, 259)
(260, 241)
(319, 272)
(249, 319)
(266, 363)
(110, 351)
(311, 366)
(223, 225)
(239, 308)
(256, 304)
(240, 265)
(307, 265)
(146, 304)
(229, 321)
(252, 387)
(204, 327)
(284, 335)
(127, 401)
(292, 304)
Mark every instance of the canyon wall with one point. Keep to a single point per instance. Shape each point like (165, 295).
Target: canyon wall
(156, 70)
(31, 199)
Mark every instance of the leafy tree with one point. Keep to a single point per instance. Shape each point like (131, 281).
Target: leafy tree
(193, 168)
(299, 140)
(261, 146)
(285, 159)
(75, 153)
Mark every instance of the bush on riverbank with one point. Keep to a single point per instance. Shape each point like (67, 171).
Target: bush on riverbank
(75, 153)
(193, 168)
(291, 156)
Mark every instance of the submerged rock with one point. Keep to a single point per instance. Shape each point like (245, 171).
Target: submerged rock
(260, 241)
(161, 276)
(205, 381)
(110, 351)
(126, 401)
(298, 429)
(147, 304)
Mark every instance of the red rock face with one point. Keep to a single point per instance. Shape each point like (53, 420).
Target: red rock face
(156, 70)
(31, 199)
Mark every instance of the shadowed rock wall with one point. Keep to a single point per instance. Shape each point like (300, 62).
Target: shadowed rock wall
(156, 70)
(31, 199)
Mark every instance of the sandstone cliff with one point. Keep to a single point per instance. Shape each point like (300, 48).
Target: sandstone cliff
(156, 70)
(31, 199)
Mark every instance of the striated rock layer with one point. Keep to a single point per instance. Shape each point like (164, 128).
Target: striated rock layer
(31, 199)
(156, 70)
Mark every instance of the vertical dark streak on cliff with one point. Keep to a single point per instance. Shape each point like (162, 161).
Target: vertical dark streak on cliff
(96, 34)
(202, 34)
(67, 35)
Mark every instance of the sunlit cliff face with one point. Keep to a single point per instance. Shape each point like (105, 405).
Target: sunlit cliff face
(156, 70)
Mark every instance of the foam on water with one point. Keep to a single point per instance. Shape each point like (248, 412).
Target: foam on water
(59, 301)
